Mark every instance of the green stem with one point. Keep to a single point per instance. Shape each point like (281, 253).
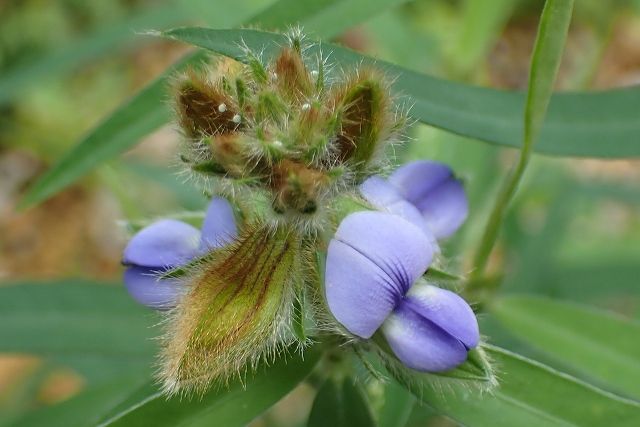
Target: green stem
(545, 61)
(490, 235)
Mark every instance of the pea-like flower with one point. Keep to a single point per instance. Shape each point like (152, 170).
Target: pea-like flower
(424, 192)
(375, 264)
(170, 243)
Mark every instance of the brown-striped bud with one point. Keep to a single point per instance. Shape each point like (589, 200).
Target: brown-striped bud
(204, 109)
(292, 75)
(237, 311)
(296, 187)
(363, 111)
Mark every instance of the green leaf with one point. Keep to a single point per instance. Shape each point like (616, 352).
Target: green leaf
(148, 110)
(113, 36)
(340, 405)
(603, 346)
(75, 320)
(397, 406)
(598, 124)
(84, 409)
(235, 404)
(545, 62)
(532, 395)
(142, 114)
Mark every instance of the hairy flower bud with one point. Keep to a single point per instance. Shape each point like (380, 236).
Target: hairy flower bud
(235, 311)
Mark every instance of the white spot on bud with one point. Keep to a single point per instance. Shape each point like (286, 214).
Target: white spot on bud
(306, 106)
(236, 118)
(278, 144)
(222, 108)
(314, 73)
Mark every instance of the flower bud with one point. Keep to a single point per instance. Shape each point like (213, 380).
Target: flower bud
(203, 108)
(296, 187)
(365, 118)
(235, 312)
(292, 75)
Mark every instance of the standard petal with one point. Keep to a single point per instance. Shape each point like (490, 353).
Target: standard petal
(372, 261)
(165, 243)
(435, 191)
(360, 294)
(219, 226)
(144, 286)
(420, 344)
(392, 243)
(447, 310)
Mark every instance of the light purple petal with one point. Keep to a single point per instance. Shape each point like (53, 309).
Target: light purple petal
(409, 212)
(446, 208)
(447, 310)
(219, 226)
(420, 344)
(415, 180)
(165, 243)
(372, 261)
(379, 192)
(144, 286)
(360, 295)
(434, 190)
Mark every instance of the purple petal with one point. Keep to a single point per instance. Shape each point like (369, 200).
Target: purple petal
(409, 212)
(372, 261)
(165, 243)
(379, 192)
(446, 208)
(447, 310)
(219, 226)
(415, 180)
(144, 286)
(437, 194)
(384, 196)
(420, 344)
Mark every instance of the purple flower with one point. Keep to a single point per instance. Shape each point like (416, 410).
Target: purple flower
(373, 281)
(167, 244)
(430, 188)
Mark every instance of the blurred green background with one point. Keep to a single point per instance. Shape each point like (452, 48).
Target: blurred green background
(573, 232)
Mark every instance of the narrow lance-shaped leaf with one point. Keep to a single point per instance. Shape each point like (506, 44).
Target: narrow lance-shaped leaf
(530, 395)
(74, 319)
(340, 405)
(234, 405)
(603, 346)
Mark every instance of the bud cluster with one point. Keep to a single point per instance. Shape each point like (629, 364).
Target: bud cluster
(285, 131)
